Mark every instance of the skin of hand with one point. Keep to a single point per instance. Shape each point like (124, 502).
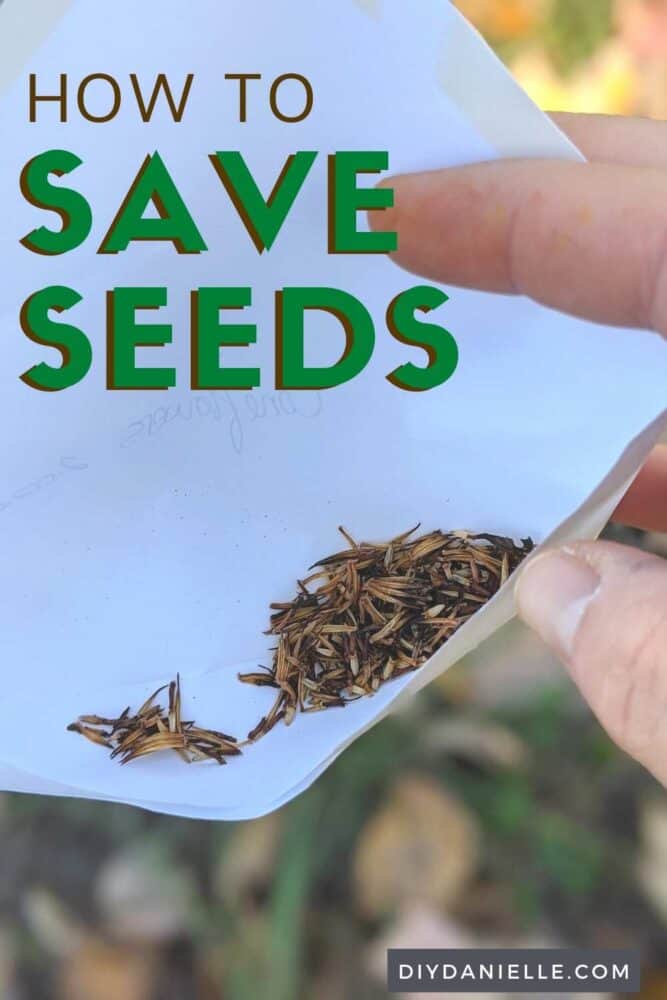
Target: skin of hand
(588, 239)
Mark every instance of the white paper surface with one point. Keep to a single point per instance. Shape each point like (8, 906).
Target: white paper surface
(146, 534)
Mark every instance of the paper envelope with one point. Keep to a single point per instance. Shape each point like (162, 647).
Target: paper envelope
(145, 533)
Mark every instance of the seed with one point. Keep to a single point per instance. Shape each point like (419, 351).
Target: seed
(373, 612)
(153, 730)
(94, 735)
(368, 614)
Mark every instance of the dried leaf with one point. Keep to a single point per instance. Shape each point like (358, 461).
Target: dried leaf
(107, 972)
(422, 846)
(652, 863)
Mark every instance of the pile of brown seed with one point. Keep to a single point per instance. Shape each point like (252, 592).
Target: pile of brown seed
(153, 729)
(368, 614)
(374, 612)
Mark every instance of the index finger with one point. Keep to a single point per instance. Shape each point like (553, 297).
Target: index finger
(645, 504)
(641, 142)
(589, 239)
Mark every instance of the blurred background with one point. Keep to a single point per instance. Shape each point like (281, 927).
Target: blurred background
(494, 811)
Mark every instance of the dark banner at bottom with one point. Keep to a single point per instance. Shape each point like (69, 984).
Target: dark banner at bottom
(516, 970)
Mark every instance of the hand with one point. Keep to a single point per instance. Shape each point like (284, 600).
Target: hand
(589, 239)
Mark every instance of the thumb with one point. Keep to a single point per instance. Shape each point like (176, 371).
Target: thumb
(603, 609)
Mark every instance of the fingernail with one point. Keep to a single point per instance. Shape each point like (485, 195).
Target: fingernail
(552, 595)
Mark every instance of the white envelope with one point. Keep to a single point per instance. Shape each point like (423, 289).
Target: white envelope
(145, 533)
